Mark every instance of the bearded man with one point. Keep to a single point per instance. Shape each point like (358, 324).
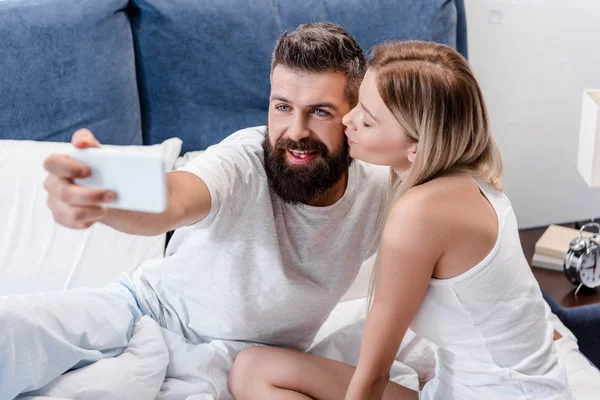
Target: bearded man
(271, 228)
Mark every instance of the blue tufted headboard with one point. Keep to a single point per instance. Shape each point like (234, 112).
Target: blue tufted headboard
(145, 70)
(65, 65)
(203, 65)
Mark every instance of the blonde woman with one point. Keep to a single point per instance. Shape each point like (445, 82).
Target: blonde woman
(450, 263)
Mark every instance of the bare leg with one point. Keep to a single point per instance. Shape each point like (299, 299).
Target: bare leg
(280, 374)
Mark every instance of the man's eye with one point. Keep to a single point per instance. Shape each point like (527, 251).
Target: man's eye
(320, 112)
(282, 107)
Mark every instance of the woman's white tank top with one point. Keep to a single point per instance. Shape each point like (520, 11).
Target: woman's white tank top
(491, 327)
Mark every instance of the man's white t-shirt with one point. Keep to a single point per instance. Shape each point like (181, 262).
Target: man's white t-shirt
(258, 269)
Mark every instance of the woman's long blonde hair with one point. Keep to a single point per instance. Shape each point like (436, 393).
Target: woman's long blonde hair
(435, 97)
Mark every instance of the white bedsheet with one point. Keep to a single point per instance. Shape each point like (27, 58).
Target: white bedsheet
(138, 373)
(153, 353)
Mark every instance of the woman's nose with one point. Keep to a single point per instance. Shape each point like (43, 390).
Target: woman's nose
(347, 119)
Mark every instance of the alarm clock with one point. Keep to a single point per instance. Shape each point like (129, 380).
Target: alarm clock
(581, 261)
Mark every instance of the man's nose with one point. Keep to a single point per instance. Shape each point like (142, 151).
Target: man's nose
(298, 130)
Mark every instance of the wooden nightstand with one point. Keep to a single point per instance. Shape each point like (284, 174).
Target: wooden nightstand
(553, 283)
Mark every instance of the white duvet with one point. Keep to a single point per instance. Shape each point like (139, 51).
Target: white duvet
(157, 364)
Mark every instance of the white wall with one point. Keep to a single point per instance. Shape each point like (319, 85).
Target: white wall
(533, 58)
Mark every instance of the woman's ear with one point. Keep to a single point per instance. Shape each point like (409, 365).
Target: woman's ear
(412, 152)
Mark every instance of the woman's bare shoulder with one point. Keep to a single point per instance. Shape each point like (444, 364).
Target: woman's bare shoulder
(438, 204)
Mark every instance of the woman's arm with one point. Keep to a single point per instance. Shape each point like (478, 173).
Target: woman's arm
(411, 245)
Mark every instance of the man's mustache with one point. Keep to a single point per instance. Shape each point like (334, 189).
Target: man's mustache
(308, 145)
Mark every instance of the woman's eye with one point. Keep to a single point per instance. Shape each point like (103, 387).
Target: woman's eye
(366, 125)
(320, 112)
(282, 107)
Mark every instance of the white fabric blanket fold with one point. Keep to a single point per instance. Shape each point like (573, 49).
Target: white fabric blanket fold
(137, 373)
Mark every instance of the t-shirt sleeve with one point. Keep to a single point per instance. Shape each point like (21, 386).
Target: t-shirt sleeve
(231, 171)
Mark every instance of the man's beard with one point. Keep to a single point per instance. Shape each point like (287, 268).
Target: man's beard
(303, 183)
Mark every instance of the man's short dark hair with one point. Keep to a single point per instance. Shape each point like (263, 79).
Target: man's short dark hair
(322, 47)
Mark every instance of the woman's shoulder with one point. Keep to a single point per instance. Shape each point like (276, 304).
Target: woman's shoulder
(438, 191)
(414, 214)
(419, 221)
(442, 202)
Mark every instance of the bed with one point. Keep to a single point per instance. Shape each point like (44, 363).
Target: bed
(142, 371)
(157, 363)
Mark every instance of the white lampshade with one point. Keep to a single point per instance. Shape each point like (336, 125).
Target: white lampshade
(588, 159)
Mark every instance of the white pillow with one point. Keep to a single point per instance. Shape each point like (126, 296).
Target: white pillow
(36, 254)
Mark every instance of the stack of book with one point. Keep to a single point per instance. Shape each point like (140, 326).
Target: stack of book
(551, 248)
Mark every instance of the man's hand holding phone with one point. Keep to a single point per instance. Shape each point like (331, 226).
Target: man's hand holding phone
(84, 185)
(72, 205)
(124, 189)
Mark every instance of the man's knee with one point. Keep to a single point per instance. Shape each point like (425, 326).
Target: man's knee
(243, 378)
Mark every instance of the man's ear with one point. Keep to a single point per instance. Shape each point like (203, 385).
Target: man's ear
(412, 152)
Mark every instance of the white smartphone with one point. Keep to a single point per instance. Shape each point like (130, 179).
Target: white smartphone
(138, 179)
